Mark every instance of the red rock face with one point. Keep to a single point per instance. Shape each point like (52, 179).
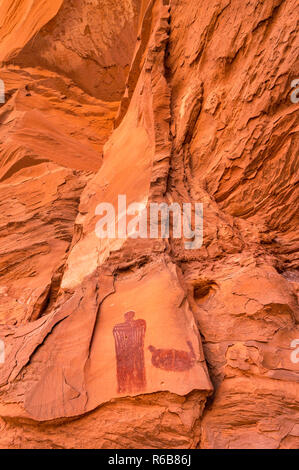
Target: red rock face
(126, 342)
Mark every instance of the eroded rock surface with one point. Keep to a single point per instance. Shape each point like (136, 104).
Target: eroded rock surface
(138, 342)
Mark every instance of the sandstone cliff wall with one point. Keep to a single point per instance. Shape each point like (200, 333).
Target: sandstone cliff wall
(162, 101)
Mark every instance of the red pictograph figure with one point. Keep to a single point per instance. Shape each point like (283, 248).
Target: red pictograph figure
(173, 359)
(129, 348)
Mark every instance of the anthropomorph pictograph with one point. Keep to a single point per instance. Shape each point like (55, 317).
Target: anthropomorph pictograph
(173, 359)
(129, 348)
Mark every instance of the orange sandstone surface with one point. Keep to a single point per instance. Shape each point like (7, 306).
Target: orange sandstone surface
(143, 343)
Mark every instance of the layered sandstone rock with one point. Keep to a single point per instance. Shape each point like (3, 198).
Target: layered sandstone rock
(136, 342)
